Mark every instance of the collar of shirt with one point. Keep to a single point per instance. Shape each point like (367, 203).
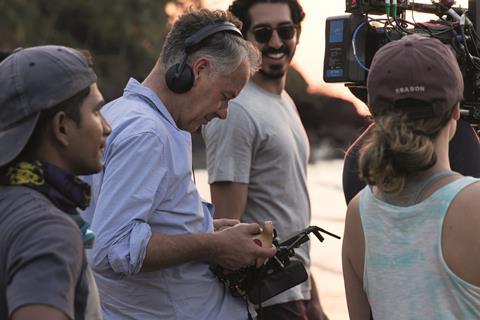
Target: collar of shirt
(148, 95)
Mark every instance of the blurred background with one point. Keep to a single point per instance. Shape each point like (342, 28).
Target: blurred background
(125, 38)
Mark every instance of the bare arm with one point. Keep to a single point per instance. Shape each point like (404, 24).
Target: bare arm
(38, 312)
(232, 248)
(353, 256)
(229, 198)
(460, 240)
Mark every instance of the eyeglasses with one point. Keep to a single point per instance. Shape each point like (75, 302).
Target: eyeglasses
(263, 34)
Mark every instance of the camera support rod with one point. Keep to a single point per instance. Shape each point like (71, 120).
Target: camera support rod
(474, 14)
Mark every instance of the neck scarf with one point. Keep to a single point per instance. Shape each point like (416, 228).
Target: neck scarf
(64, 190)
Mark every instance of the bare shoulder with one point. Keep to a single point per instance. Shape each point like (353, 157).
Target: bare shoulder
(460, 240)
(354, 239)
(353, 222)
(464, 212)
(353, 210)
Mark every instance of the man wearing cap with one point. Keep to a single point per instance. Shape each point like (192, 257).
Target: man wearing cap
(51, 130)
(411, 245)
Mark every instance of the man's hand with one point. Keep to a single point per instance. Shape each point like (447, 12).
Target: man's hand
(221, 224)
(236, 249)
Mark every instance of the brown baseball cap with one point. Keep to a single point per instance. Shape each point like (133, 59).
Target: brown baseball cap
(414, 67)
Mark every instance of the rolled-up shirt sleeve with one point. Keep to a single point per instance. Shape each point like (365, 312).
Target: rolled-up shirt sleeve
(126, 194)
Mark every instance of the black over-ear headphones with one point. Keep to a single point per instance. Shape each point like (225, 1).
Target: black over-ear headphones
(179, 77)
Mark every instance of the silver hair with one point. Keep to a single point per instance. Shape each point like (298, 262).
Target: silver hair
(226, 51)
(235, 50)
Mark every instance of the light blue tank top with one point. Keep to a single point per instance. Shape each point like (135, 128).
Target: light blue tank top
(405, 274)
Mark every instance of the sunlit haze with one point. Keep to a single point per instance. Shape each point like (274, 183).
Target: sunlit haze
(309, 56)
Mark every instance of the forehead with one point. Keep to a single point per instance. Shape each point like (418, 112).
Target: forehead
(94, 97)
(270, 13)
(232, 84)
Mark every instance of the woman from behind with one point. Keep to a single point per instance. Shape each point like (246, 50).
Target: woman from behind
(411, 248)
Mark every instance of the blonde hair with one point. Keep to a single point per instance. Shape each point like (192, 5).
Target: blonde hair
(397, 148)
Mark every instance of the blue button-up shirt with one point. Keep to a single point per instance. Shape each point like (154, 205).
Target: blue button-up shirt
(146, 186)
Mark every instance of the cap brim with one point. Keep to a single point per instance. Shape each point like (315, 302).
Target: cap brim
(14, 139)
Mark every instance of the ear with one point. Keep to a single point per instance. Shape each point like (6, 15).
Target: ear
(298, 33)
(201, 68)
(456, 112)
(61, 126)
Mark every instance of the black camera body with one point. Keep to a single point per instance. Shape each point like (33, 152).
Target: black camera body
(277, 275)
(352, 40)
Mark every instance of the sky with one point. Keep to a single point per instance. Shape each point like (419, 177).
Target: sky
(310, 51)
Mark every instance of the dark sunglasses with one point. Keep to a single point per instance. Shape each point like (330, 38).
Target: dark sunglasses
(263, 34)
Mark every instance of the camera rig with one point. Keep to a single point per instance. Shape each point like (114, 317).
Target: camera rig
(353, 39)
(276, 275)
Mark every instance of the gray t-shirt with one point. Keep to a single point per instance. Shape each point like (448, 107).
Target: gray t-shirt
(264, 144)
(42, 260)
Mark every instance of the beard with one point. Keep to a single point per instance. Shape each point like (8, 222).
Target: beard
(276, 71)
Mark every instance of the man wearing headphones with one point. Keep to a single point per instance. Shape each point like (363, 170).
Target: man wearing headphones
(156, 237)
(257, 158)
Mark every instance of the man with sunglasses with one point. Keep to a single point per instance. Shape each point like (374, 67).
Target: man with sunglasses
(257, 157)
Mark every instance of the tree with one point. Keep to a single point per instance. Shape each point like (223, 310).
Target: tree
(124, 36)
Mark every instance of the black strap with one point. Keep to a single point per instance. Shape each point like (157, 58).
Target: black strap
(207, 31)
